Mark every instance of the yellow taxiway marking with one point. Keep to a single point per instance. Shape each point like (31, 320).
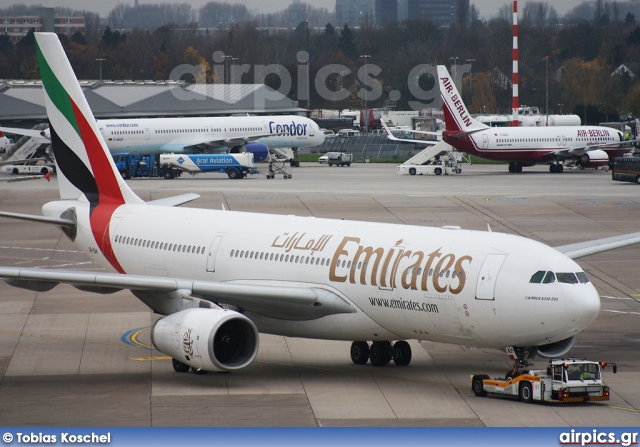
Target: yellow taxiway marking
(144, 359)
(52, 337)
(134, 338)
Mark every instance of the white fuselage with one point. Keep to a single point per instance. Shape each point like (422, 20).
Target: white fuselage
(535, 144)
(406, 282)
(193, 135)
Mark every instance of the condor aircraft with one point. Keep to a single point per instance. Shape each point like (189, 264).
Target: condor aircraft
(587, 146)
(255, 134)
(232, 275)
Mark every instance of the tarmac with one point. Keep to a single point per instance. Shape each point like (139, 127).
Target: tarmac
(71, 358)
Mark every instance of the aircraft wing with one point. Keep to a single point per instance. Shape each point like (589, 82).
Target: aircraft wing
(582, 249)
(175, 201)
(229, 142)
(392, 137)
(279, 301)
(579, 151)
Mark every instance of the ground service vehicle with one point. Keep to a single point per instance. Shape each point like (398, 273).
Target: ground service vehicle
(626, 169)
(339, 158)
(27, 169)
(446, 166)
(564, 380)
(234, 165)
(141, 165)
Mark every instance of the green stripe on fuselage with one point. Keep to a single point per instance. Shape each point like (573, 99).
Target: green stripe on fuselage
(55, 90)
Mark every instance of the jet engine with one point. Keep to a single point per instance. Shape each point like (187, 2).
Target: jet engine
(593, 159)
(207, 339)
(556, 349)
(259, 150)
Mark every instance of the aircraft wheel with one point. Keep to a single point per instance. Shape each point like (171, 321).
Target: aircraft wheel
(638, 180)
(15, 171)
(233, 174)
(180, 367)
(553, 168)
(380, 353)
(518, 168)
(437, 171)
(512, 168)
(401, 353)
(478, 387)
(560, 168)
(525, 393)
(412, 171)
(359, 352)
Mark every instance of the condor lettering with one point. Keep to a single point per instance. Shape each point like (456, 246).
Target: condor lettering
(293, 129)
(379, 266)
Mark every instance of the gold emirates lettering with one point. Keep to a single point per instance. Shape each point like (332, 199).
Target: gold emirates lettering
(380, 267)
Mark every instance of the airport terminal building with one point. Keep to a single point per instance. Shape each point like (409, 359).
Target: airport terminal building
(23, 101)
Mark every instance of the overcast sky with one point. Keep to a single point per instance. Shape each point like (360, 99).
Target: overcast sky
(487, 8)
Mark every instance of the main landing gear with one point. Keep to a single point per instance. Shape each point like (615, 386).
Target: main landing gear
(515, 167)
(381, 353)
(556, 168)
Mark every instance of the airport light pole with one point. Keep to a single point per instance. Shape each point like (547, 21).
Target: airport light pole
(366, 113)
(234, 61)
(470, 80)
(227, 63)
(455, 69)
(101, 60)
(546, 71)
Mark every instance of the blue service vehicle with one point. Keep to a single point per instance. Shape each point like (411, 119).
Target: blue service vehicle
(234, 165)
(141, 165)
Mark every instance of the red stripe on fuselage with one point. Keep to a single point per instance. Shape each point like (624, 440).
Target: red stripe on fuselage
(109, 194)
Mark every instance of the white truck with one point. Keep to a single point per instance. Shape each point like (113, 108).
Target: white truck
(236, 166)
(339, 158)
(564, 380)
(445, 165)
(23, 169)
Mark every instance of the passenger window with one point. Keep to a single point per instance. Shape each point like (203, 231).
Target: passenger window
(537, 277)
(582, 277)
(567, 278)
(549, 278)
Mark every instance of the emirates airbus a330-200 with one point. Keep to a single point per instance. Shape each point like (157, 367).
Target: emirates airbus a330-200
(220, 277)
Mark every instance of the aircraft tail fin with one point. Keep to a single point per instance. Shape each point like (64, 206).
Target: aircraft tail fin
(84, 164)
(456, 115)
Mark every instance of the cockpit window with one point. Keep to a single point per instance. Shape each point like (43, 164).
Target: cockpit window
(537, 277)
(549, 278)
(567, 278)
(582, 277)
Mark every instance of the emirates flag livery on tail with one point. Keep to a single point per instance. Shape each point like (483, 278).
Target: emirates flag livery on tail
(222, 277)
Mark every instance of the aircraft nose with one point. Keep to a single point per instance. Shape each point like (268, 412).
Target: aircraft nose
(583, 306)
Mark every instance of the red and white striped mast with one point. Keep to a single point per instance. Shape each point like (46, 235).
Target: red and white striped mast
(514, 103)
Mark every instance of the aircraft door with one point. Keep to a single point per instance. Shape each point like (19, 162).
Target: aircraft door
(485, 141)
(311, 130)
(146, 134)
(485, 288)
(213, 250)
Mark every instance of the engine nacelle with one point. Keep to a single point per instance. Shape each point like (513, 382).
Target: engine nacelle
(208, 339)
(259, 150)
(593, 159)
(556, 349)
